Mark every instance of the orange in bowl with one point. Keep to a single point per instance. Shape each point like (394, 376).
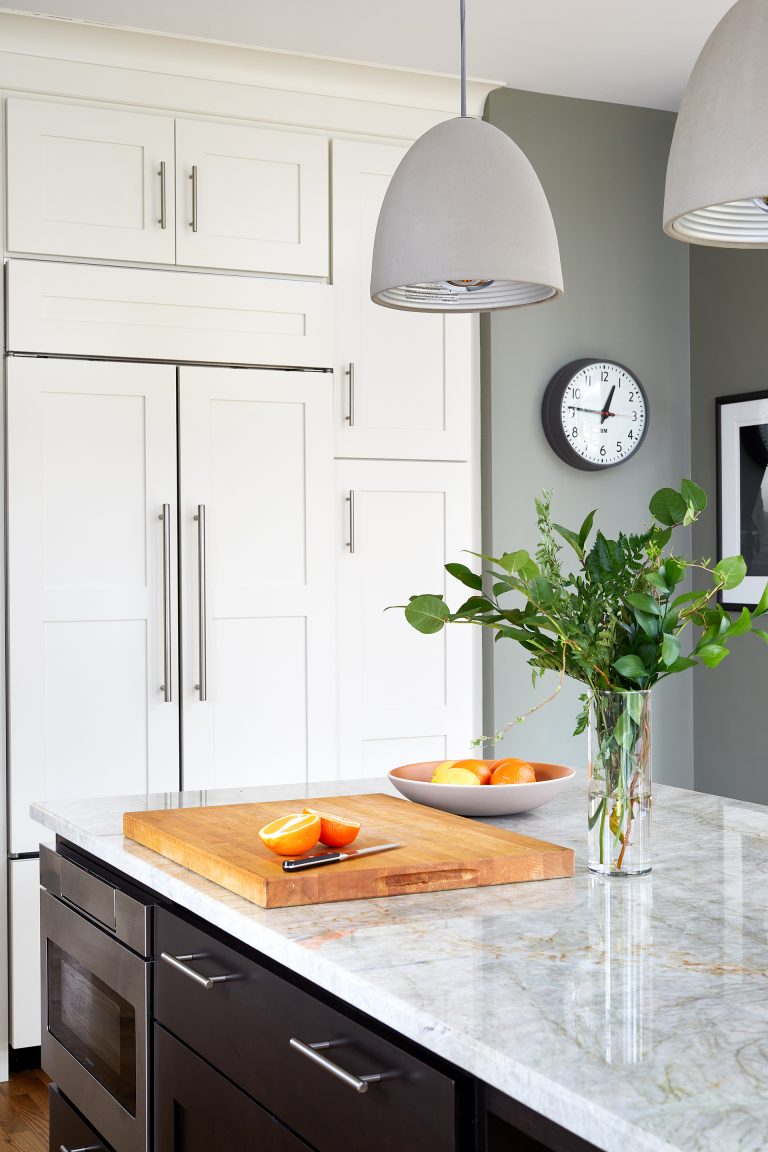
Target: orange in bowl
(483, 769)
(512, 771)
(291, 835)
(335, 831)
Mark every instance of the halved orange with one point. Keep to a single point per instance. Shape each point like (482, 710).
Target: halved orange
(291, 835)
(335, 831)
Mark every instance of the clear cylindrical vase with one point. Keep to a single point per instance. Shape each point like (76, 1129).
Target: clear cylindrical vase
(619, 816)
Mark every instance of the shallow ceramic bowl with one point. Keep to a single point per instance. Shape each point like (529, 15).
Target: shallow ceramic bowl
(414, 781)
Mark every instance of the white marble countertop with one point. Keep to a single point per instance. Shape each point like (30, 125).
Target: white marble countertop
(632, 1012)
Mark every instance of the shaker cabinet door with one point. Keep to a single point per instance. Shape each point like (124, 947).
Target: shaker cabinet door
(403, 697)
(251, 198)
(404, 381)
(93, 691)
(90, 181)
(257, 582)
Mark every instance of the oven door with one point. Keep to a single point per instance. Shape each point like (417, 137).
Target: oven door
(95, 1008)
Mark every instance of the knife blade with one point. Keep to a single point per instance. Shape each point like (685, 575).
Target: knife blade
(334, 857)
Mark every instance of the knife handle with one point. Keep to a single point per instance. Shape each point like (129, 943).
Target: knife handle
(312, 861)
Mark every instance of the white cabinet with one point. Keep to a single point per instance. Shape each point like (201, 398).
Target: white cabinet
(257, 576)
(91, 606)
(24, 951)
(90, 181)
(403, 697)
(403, 380)
(251, 198)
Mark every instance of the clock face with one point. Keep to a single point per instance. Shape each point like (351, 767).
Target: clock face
(595, 413)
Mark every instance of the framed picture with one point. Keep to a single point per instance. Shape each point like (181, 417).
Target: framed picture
(742, 491)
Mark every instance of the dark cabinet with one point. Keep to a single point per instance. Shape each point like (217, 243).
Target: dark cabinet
(198, 1110)
(334, 1081)
(66, 1128)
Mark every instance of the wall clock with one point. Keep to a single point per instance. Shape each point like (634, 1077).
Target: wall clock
(595, 413)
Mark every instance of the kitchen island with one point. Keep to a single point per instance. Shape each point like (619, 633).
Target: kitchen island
(632, 1014)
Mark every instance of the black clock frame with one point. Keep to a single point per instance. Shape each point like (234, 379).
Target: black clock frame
(551, 409)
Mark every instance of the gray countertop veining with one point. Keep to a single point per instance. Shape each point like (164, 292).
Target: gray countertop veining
(632, 1012)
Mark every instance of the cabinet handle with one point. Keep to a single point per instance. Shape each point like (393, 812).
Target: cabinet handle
(83, 1148)
(193, 178)
(165, 516)
(206, 982)
(202, 685)
(358, 1083)
(163, 221)
(350, 373)
(351, 501)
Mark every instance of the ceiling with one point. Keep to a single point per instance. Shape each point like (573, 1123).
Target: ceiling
(616, 50)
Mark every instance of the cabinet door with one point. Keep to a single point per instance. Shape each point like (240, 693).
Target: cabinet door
(91, 465)
(404, 381)
(90, 181)
(251, 198)
(257, 586)
(197, 1110)
(403, 697)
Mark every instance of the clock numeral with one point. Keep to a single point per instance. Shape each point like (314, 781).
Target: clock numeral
(602, 449)
(574, 431)
(634, 416)
(572, 412)
(629, 435)
(577, 393)
(631, 396)
(604, 378)
(619, 447)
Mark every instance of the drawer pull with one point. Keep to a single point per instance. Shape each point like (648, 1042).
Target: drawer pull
(84, 1148)
(206, 982)
(358, 1083)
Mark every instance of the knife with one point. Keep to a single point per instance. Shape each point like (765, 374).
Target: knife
(334, 857)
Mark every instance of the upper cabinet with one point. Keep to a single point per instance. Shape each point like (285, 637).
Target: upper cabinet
(251, 198)
(403, 380)
(90, 181)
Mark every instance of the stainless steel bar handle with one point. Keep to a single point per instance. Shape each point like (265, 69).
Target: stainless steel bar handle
(83, 1148)
(202, 685)
(312, 1052)
(167, 635)
(193, 178)
(351, 502)
(350, 417)
(207, 982)
(163, 203)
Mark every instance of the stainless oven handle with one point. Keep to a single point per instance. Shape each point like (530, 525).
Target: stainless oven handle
(84, 1148)
(206, 982)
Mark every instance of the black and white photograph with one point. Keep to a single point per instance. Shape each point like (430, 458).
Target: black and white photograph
(742, 465)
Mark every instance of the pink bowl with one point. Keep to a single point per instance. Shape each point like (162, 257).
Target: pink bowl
(414, 781)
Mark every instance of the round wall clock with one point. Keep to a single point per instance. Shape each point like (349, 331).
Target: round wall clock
(595, 413)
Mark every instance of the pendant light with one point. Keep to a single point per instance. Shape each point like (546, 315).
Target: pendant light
(717, 178)
(465, 225)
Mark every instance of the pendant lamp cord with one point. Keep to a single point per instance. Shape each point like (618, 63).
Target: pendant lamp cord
(463, 60)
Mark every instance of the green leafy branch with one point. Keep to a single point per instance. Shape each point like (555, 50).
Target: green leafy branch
(617, 622)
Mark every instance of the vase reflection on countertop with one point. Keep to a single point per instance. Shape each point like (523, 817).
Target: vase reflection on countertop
(611, 1011)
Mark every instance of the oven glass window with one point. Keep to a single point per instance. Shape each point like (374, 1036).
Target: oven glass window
(94, 1024)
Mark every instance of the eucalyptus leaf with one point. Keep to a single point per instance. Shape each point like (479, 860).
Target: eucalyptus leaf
(731, 570)
(693, 495)
(674, 570)
(668, 507)
(427, 614)
(465, 575)
(670, 649)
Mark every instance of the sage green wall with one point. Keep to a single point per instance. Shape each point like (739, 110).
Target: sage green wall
(729, 354)
(626, 297)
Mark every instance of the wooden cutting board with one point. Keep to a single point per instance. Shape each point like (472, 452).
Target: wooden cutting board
(440, 851)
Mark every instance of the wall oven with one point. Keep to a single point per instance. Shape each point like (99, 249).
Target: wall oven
(96, 939)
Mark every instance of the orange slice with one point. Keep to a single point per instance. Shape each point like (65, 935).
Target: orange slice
(292, 835)
(335, 831)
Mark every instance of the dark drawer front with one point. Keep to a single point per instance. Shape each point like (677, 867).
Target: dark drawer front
(244, 1027)
(197, 1110)
(67, 1129)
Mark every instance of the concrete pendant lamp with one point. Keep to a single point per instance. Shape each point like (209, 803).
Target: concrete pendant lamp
(465, 225)
(717, 178)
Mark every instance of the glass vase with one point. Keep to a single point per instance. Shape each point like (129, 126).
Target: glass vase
(619, 755)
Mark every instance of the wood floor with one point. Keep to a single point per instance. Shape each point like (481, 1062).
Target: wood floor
(24, 1113)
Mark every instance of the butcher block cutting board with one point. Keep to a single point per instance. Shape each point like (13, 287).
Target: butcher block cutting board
(440, 851)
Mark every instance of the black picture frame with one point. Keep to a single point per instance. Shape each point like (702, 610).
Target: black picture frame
(729, 491)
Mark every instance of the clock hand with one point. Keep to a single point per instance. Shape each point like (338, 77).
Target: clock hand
(606, 413)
